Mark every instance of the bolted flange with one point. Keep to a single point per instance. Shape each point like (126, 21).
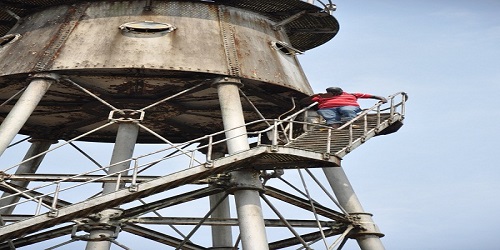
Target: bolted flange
(238, 181)
(363, 225)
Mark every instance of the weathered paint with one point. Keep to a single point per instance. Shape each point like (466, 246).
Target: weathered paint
(86, 36)
(83, 42)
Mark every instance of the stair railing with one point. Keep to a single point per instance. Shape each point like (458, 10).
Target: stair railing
(397, 106)
(279, 126)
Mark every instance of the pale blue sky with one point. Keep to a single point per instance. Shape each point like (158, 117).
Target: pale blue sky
(435, 183)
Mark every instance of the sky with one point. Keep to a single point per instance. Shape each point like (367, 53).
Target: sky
(434, 184)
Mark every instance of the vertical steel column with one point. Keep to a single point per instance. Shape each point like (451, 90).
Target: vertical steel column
(23, 108)
(222, 236)
(369, 237)
(126, 138)
(29, 167)
(249, 210)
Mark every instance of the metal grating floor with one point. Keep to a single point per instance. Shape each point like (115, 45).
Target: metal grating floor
(316, 139)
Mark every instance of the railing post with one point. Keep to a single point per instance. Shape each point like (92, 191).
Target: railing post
(275, 133)
(191, 160)
(133, 185)
(350, 135)
(365, 124)
(378, 116)
(403, 103)
(392, 107)
(38, 206)
(210, 148)
(53, 211)
(329, 141)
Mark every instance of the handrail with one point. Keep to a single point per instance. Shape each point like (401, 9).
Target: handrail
(179, 151)
(377, 107)
(364, 115)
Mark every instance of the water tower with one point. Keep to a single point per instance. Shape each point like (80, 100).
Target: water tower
(218, 77)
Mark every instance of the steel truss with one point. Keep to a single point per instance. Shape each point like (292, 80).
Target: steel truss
(48, 208)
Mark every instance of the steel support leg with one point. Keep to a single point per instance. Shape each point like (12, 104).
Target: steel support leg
(123, 150)
(23, 108)
(29, 167)
(368, 237)
(249, 210)
(222, 236)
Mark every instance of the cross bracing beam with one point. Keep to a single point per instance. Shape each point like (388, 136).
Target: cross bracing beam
(252, 157)
(36, 238)
(305, 204)
(159, 237)
(129, 226)
(231, 222)
(314, 236)
(8, 218)
(172, 241)
(170, 201)
(259, 158)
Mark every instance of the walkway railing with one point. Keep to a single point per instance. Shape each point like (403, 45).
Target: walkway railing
(281, 132)
(370, 122)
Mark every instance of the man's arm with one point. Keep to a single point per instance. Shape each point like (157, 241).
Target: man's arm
(381, 98)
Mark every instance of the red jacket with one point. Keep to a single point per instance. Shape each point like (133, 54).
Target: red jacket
(344, 99)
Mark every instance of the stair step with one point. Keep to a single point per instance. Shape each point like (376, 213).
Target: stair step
(316, 139)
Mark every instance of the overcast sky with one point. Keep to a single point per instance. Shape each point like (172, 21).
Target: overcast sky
(435, 183)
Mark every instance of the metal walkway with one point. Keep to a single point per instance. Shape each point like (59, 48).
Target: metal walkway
(318, 147)
(340, 142)
(261, 157)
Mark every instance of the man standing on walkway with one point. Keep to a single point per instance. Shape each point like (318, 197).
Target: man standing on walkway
(337, 106)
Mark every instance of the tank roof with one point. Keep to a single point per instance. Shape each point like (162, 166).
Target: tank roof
(310, 29)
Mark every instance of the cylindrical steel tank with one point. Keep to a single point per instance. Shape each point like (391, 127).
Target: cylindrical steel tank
(134, 53)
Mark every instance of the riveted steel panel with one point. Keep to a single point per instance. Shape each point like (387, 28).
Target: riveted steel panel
(258, 58)
(307, 32)
(227, 41)
(182, 49)
(131, 68)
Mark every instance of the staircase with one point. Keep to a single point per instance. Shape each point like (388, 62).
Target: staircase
(316, 146)
(340, 142)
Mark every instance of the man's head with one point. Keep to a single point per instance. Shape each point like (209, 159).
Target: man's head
(334, 90)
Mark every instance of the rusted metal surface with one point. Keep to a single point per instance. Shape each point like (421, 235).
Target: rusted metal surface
(82, 41)
(86, 36)
(311, 30)
(66, 111)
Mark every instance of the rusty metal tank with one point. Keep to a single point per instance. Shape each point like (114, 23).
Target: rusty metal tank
(134, 53)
